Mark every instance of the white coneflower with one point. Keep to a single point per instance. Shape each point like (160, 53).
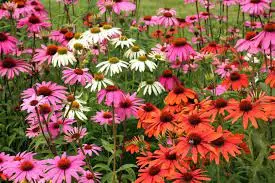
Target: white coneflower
(150, 87)
(98, 82)
(134, 52)
(112, 66)
(77, 44)
(63, 57)
(158, 56)
(76, 108)
(122, 42)
(94, 35)
(109, 31)
(251, 58)
(140, 63)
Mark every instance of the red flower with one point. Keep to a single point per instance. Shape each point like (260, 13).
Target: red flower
(248, 111)
(236, 81)
(197, 142)
(228, 143)
(152, 174)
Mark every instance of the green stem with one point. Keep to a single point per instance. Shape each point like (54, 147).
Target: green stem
(114, 136)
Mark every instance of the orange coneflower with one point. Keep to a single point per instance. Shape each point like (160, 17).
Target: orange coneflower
(203, 105)
(145, 112)
(172, 31)
(157, 34)
(137, 144)
(227, 144)
(212, 47)
(195, 120)
(197, 142)
(272, 156)
(270, 79)
(227, 47)
(236, 81)
(145, 159)
(241, 64)
(167, 38)
(160, 123)
(268, 105)
(188, 176)
(167, 159)
(218, 107)
(174, 108)
(179, 94)
(248, 111)
(152, 174)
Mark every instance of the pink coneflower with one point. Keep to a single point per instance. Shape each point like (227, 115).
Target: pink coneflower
(191, 19)
(90, 149)
(265, 39)
(90, 177)
(112, 95)
(247, 44)
(160, 48)
(64, 168)
(189, 67)
(22, 9)
(77, 75)
(22, 156)
(229, 2)
(40, 11)
(168, 80)
(54, 129)
(4, 158)
(128, 106)
(75, 134)
(33, 131)
(225, 69)
(34, 3)
(204, 15)
(189, 1)
(59, 35)
(105, 117)
(166, 10)
(64, 123)
(29, 104)
(167, 19)
(96, 50)
(255, 7)
(116, 6)
(219, 90)
(4, 13)
(253, 25)
(149, 20)
(51, 91)
(34, 23)
(7, 43)
(45, 53)
(24, 170)
(179, 50)
(10, 67)
(182, 23)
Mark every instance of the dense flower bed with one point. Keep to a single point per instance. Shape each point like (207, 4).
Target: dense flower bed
(111, 94)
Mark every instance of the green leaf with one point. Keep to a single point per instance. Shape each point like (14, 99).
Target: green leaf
(125, 167)
(101, 166)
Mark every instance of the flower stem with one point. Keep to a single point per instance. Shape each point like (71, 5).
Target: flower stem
(53, 150)
(114, 135)
(87, 158)
(199, 21)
